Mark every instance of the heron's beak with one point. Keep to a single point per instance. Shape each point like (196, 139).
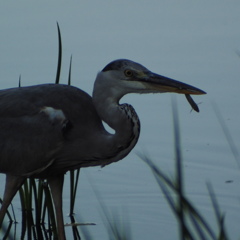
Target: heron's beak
(158, 83)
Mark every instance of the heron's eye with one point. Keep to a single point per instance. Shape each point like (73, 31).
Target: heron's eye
(128, 73)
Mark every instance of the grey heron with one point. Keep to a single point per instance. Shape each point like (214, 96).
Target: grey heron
(47, 130)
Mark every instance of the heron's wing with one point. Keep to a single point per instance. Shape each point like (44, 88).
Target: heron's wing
(76, 105)
(28, 143)
(20, 115)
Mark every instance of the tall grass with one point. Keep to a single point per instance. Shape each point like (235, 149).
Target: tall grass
(192, 225)
(38, 216)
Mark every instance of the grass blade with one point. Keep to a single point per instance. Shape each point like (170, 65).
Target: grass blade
(197, 227)
(19, 81)
(227, 134)
(179, 175)
(59, 56)
(70, 72)
(218, 214)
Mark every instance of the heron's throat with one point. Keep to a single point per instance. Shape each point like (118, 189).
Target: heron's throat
(124, 120)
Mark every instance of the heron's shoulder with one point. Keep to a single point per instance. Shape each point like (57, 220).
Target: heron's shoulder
(28, 100)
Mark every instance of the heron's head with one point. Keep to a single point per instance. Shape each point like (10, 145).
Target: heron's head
(124, 76)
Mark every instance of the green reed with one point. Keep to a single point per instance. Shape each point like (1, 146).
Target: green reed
(38, 216)
(192, 225)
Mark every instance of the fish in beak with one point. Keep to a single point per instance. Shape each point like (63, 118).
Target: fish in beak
(158, 83)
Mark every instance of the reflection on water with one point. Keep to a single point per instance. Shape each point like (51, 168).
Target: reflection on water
(42, 231)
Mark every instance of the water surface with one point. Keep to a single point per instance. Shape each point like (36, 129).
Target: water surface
(191, 42)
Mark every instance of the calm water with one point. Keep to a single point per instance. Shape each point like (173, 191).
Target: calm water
(191, 42)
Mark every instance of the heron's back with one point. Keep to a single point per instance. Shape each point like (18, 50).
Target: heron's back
(29, 140)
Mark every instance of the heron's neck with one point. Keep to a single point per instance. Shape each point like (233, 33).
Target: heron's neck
(122, 118)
